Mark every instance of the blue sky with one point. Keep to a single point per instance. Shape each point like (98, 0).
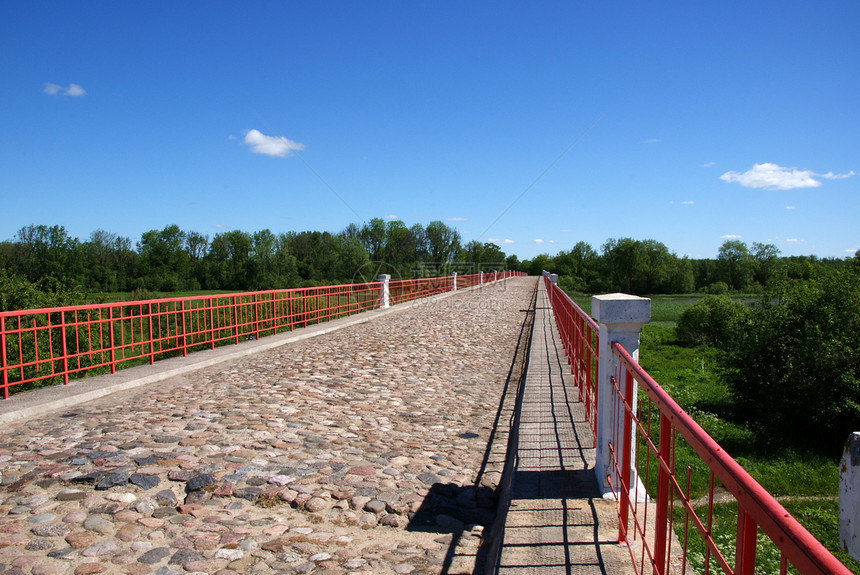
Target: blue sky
(533, 125)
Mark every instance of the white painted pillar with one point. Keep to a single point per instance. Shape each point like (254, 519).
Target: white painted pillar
(621, 318)
(455, 281)
(554, 279)
(383, 293)
(482, 278)
(849, 496)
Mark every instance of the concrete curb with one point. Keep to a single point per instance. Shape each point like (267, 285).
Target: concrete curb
(30, 404)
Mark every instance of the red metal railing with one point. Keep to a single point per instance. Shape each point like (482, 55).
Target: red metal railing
(407, 290)
(59, 343)
(665, 529)
(579, 335)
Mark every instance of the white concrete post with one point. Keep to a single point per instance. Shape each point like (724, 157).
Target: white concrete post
(849, 496)
(495, 275)
(383, 293)
(455, 281)
(482, 278)
(554, 279)
(621, 318)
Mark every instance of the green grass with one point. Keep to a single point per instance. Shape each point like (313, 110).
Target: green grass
(819, 516)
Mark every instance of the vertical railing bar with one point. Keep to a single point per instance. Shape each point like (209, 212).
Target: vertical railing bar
(151, 343)
(65, 346)
(662, 511)
(184, 328)
(210, 307)
(256, 318)
(111, 337)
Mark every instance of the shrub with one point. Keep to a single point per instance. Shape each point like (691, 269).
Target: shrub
(713, 320)
(17, 293)
(794, 368)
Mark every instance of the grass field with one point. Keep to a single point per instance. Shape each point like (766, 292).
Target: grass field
(806, 484)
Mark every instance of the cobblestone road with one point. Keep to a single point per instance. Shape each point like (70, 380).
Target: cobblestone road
(366, 450)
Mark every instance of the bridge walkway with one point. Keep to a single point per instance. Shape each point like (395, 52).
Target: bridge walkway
(557, 521)
(376, 447)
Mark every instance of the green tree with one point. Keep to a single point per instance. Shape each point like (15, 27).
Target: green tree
(373, 238)
(443, 243)
(399, 250)
(766, 257)
(47, 251)
(794, 368)
(735, 265)
(681, 278)
(626, 262)
(229, 260)
(493, 258)
(658, 265)
(164, 263)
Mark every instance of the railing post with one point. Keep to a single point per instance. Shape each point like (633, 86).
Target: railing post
(482, 278)
(621, 318)
(455, 282)
(849, 496)
(554, 279)
(384, 295)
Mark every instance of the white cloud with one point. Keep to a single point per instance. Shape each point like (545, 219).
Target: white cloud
(75, 90)
(456, 219)
(651, 141)
(688, 202)
(790, 208)
(793, 240)
(390, 217)
(730, 237)
(774, 177)
(832, 176)
(271, 145)
(709, 164)
(538, 241)
(567, 231)
(56, 89)
(500, 240)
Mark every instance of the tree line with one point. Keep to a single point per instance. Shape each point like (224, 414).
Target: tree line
(170, 259)
(647, 267)
(48, 259)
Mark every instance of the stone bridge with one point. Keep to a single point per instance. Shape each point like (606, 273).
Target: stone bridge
(438, 436)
